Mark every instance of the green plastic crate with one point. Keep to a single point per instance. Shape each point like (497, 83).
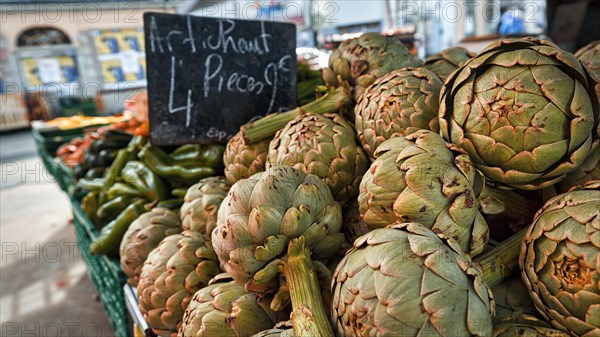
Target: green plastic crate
(106, 273)
(64, 176)
(71, 106)
(46, 146)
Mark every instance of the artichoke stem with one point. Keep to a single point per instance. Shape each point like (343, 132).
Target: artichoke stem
(308, 313)
(515, 205)
(501, 261)
(268, 126)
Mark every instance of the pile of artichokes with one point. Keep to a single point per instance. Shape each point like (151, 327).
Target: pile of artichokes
(460, 197)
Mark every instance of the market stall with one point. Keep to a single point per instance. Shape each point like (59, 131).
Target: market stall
(452, 196)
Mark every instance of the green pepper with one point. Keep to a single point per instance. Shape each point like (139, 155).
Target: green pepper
(199, 155)
(179, 192)
(93, 185)
(110, 237)
(122, 157)
(123, 189)
(165, 166)
(150, 185)
(172, 204)
(111, 209)
(89, 204)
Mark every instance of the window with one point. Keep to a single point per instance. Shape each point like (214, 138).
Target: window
(42, 36)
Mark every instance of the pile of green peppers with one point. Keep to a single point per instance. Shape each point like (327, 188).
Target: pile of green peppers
(101, 154)
(140, 178)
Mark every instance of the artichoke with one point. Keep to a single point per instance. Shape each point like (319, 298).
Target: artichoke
(243, 160)
(227, 310)
(282, 329)
(513, 303)
(362, 60)
(588, 171)
(201, 204)
(525, 330)
(142, 236)
(397, 104)
(323, 145)
(180, 265)
(354, 225)
(590, 56)
(524, 110)
(262, 216)
(421, 178)
(404, 281)
(560, 258)
(447, 61)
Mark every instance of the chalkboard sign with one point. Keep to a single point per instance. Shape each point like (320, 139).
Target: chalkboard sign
(208, 76)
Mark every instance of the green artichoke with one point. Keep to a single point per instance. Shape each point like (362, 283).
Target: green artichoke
(362, 60)
(201, 204)
(227, 310)
(282, 329)
(353, 225)
(524, 110)
(243, 160)
(590, 56)
(262, 216)
(180, 265)
(513, 303)
(560, 261)
(525, 330)
(323, 145)
(447, 61)
(421, 178)
(588, 171)
(397, 104)
(142, 236)
(404, 281)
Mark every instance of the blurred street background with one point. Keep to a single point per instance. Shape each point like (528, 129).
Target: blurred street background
(44, 286)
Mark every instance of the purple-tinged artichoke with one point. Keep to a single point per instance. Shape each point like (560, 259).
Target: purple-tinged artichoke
(323, 145)
(397, 104)
(142, 236)
(201, 204)
(362, 60)
(243, 160)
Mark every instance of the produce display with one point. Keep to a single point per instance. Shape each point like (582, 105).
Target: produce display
(456, 198)
(72, 122)
(100, 154)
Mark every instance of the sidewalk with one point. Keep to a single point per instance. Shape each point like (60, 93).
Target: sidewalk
(44, 286)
